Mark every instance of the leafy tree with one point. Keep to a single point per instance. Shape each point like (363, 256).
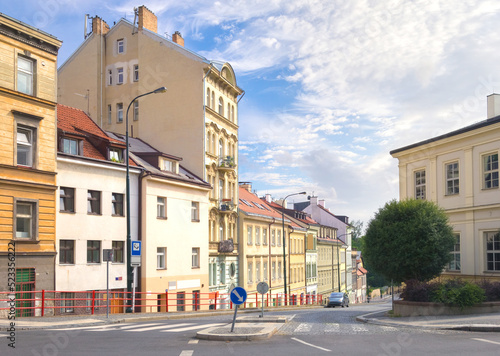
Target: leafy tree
(409, 239)
(357, 229)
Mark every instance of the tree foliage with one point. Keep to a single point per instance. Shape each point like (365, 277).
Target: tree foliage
(409, 239)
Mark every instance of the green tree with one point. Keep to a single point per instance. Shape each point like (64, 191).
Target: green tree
(409, 239)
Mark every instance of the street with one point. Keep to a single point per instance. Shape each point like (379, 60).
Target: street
(317, 331)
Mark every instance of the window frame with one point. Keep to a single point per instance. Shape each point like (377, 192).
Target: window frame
(249, 272)
(452, 185)
(492, 172)
(30, 75)
(249, 235)
(119, 113)
(92, 247)
(117, 203)
(120, 75)
(161, 251)
(195, 211)
(136, 72)
(136, 111)
(495, 252)
(118, 250)
(67, 302)
(195, 257)
(65, 251)
(30, 146)
(91, 200)
(66, 194)
(161, 207)
(420, 190)
(453, 266)
(70, 140)
(120, 46)
(33, 222)
(110, 114)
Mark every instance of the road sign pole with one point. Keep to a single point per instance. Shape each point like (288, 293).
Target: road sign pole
(234, 317)
(133, 289)
(262, 314)
(107, 288)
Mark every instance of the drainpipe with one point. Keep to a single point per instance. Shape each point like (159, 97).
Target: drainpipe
(144, 174)
(289, 257)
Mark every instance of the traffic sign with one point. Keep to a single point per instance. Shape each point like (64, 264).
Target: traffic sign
(262, 287)
(238, 295)
(136, 248)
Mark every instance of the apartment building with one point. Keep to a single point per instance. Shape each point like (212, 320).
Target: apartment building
(28, 64)
(197, 118)
(459, 171)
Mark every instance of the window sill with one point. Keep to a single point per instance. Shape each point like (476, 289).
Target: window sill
(197, 267)
(96, 214)
(118, 216)
(25, 241)
(489, 272)
(162, 218)
(66, 264)
(195, 220)
(67, 212)
(94, 263)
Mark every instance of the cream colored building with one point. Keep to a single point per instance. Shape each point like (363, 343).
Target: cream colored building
(197, 118)
(459, 171)
(28, 64)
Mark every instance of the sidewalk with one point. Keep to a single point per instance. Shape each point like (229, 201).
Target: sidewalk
(474, 322)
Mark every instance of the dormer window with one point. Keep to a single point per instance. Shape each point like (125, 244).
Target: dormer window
(115, 155)
(169, 166)
(71, 146)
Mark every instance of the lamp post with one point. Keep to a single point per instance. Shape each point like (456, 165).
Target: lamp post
(129, 239)
(283, 233)
(338, 258)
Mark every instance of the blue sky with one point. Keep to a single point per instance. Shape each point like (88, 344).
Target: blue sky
(331, 86)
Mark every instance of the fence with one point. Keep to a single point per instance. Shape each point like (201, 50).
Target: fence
(49, 303)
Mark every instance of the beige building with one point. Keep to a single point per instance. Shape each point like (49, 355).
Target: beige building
(197, 118)
(28, 64)
(459, 171)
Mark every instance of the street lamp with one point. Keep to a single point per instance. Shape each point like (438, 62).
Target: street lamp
(129, 239)
(283, 233)
(338, 258)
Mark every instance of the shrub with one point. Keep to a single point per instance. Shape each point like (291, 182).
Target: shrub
(491, 289)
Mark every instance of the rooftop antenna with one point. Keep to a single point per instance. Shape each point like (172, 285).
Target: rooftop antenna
(136, 14)
(86, 97)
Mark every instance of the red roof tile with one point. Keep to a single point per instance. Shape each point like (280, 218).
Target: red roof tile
(255, 205)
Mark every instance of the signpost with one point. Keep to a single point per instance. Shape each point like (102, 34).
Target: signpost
(107, 255)
(135, 261)
(262, 288)
(238, 296)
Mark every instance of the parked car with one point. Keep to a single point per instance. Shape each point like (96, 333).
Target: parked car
(338, 299)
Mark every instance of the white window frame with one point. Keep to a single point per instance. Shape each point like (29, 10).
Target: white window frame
(221, 106)
(31, 218)
(249, 235)
(420, 184)
(26, 146)
(492, 250)
(110, 115)
(120, 75)
(119, 112)
(249, 272)
(257, 235)
(136, 72)
(161, 258)
(455, 265)
(195, 211)
(120, 46)
(161, 207)
(94, 196)
(452, 176)
(25, 75)
(136, 110)
(490, 170)
(110, 77)
(195, 257)
(70, 146)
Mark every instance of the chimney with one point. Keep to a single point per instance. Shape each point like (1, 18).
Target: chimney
(147, 19)
(493, 105)
(99, 26)
(177, 38)
(314, 200)
(322, 203)
(246, 185)
(268, 198)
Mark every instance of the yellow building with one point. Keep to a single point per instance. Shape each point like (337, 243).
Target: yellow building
(28, 62)
(196, 119)
(459, 171)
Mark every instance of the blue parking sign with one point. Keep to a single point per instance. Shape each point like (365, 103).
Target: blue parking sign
(136, 248)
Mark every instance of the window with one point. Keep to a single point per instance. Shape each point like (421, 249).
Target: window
(161, 253)
(452, 180)
(221, 107)
(221, 232)
(250, 272)
(265, 270)
(93, 251)
(490, 171)
(228, 110)
(273, 270)
(120, 76)
(110, 77)
(257, 272)
(273, 237)
(120, 46)
(25, 75)
(67, 302)
(136, 110)
(249, 235)
(264, 236)
(136, 72)
(67, 199)
(455, 262)
(213, 100)
(279, 270)
(232, 269)
(221, 148)
(492, 251)
(279, 237)
(168, 165)
(118, 249)
(420, 184)
(221, 188)
(67, 252)
(93, 202)
(110, 117)
(70, 146)
(195, 211)
(257, 235)
(207, 103)
(25, 144)
(195, 257)
(119, 112)
(161, 204)
(181, 300)
(232, 113)
(223, 273)
(26, 219)
(115, 155)
(212, 274)
(117, 204)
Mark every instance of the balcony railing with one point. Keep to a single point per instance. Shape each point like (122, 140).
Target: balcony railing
(227, 162)
(226, 205)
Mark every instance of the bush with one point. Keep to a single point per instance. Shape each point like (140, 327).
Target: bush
(491, 289)
(453, 292)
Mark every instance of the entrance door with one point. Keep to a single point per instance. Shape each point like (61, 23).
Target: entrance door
(25, 291)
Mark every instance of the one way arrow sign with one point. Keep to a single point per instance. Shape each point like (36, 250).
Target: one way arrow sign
(238, 295)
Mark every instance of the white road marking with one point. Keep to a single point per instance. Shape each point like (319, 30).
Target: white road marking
(186, 352)
(358, 329)
(332, 328)
(308, 344)
(136, 326)
(193, 341)
(389, 328)
(489, 341)
(303, 328)
(191, 328)
(89, 327)
(157, 327)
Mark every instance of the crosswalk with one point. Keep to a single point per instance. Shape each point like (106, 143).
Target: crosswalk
(138, 328)
(336, 328)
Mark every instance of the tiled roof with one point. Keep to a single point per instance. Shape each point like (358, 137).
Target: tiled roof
(252, 204)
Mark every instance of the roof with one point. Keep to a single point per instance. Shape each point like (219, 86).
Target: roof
(478, 125)
(76, 123)
(251, 204)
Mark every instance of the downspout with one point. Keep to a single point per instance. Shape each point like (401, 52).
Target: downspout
(269, 255)
(100, 79)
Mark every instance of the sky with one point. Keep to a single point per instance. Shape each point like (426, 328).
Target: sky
(331, 87)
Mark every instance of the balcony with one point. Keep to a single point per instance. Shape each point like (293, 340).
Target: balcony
(226, 206)
(227, 163)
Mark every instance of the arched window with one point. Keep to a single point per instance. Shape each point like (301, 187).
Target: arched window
(221, 107)
(213, 100)
(213, 143)
(208, 98)
(221, 148)
(221, 231)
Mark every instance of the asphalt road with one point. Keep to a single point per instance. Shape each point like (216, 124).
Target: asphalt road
(318, 331)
